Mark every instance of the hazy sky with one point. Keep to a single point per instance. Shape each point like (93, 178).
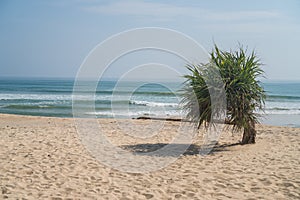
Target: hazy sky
(52, 38)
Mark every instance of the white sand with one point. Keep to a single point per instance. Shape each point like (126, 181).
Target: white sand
(43, 158)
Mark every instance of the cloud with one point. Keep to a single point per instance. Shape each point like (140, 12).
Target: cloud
(210, 18)
(243, 15)
(136, 8)
(171, 11)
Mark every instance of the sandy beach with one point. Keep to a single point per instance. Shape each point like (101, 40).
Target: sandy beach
(43, 158)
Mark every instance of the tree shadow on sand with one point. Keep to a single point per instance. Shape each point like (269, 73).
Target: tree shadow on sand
(176, 149)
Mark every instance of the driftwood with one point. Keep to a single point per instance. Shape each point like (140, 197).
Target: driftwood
(175, 119)
(164, 119)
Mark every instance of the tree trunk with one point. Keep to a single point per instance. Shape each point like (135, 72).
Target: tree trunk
(249, 134)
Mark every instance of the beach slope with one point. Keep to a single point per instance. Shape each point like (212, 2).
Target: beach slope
(43, 157)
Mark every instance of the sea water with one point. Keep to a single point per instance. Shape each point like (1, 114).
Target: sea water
(282, 106)
(53, 97)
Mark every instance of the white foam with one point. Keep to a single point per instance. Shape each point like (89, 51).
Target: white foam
(170, 113)
(154, 104)
(35, 97)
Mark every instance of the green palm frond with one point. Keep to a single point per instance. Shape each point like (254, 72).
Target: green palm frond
(239, 72)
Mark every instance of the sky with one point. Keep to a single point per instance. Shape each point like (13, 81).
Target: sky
(52, 38)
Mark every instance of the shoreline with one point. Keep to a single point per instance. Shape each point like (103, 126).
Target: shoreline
(43, 157)
(278, 118)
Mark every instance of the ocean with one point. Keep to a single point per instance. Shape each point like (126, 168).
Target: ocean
(53, 97)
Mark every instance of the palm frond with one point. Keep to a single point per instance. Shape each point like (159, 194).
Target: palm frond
(239, 73)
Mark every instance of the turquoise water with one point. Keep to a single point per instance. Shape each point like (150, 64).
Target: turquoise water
(53, 97)
(283, 104)
(283, 98)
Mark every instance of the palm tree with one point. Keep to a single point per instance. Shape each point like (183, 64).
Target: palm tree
(244, 94)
